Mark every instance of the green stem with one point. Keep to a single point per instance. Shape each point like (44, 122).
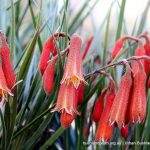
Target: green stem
(121, 16)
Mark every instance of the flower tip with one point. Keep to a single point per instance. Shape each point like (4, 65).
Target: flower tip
(66, 120)
(77, 37)
(117, 47)
(54, 109)
(10, 93)
(124, 131)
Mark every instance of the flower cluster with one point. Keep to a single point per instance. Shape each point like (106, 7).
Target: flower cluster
(114, 107)
(71, 90)
(129, 103)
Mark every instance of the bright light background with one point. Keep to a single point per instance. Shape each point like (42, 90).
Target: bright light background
(133, 11)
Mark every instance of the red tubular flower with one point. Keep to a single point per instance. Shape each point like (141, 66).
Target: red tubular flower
(87, 46)
(98, 108)
(48, 77)
(67, 104)
(117, 47)
(4, 90)
(66, 119)
(140, 51)
(73, 68)
(138, 100)
(67, 100)
(6, 62)
(66, 116)
(104, 130)
(118, 110)
(48, 48)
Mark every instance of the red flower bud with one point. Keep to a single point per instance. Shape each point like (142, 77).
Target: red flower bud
(125, 131)
(98, 108)
(48, 48)
(104, 130)
(118, 110)
(117, 47)
(48, 77)
(6, 63)
(138, 100)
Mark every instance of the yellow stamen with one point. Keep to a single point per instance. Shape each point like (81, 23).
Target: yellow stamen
(76, 81)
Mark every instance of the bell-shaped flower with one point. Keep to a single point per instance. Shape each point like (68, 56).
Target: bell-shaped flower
(67, 99)
(73, 67)
(118, 111)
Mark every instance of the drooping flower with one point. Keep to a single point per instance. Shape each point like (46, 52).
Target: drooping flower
(67, 99)
(138, 100)
(48, 77)
(73, 68)
(68, 114)
(140, 51)
(104, 130)
(125, 131)
(118, 110)
(48, 49)
(98, 107)
(117, 47)
(6, 62)
(119, 44)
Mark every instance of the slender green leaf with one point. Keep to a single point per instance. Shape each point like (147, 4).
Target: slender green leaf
(53, 138)
(106, 36)
(32, 140)
(12, 29)
(34, 23)
(121, 16)
(31, 123)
